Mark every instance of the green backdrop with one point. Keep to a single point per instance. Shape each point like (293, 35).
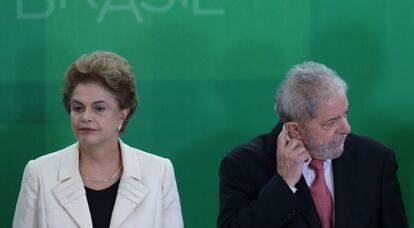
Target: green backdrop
(206, 75)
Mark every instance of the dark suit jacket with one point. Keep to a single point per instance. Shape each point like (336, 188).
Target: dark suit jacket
(366, 189)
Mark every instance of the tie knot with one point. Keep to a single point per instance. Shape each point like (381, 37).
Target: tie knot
(316, 164)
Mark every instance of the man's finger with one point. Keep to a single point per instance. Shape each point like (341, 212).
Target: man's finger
(282, 139)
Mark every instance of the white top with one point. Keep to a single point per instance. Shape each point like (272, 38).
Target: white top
(53, 194)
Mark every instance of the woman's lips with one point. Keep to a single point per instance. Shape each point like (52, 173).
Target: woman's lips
(87, 129)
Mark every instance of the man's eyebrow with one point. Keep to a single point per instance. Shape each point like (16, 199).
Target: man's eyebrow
(337, 117)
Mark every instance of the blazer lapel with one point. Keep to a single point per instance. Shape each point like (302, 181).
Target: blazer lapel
(131, 190)
(70, 192)
(309, 210)
(344, 187)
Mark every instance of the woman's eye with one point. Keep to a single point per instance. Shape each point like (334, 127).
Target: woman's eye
(100, 108)
(76, 108)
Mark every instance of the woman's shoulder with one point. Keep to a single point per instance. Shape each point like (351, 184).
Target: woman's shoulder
(48, 165)
(53, 157)
(145, 161)
(141, 154)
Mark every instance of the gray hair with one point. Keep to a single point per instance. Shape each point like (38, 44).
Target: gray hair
(304, 87)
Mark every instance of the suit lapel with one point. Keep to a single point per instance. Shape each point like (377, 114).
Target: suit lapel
(309, 210)
(344, 172)
(70, 192)
(344, 187)
(131, 190)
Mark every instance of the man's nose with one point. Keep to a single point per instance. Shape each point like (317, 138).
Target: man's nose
(345, 128)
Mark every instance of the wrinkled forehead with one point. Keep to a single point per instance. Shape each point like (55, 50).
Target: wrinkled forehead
(332, 107)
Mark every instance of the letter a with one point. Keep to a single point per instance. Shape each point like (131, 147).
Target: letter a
(108, 6)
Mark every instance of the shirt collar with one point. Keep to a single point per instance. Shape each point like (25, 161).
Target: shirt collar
(326, 162)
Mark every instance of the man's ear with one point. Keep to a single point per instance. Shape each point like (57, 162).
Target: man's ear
(294, 130)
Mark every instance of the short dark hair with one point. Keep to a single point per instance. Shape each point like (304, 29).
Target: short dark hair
(107, 69)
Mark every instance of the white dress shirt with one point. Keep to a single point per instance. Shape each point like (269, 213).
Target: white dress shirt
(309, 175)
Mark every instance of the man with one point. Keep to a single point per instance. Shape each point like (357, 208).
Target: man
(310, 171)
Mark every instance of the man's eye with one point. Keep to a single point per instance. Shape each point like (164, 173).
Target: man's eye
(331, 123)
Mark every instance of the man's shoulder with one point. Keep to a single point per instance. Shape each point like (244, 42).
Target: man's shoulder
(365, 145)
(365, 141)
(255, 147)
(254, 159)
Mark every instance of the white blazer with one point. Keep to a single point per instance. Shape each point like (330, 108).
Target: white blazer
(53, 195)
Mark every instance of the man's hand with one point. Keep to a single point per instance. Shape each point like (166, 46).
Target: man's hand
(291, 155)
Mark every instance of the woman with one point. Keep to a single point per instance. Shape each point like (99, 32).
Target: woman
(99, 181)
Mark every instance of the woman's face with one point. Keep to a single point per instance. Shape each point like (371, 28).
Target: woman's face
(95, 115)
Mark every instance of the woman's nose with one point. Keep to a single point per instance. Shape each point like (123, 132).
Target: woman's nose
(86, 116)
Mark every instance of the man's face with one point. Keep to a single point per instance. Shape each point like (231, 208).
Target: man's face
(324, 136)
